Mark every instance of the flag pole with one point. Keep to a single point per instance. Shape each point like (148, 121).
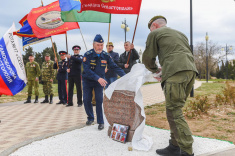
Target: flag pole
(66, 43)
(133, 38)
(109, 29)
(42, 2)
(83, 38)
(108, 38)
(54, 52)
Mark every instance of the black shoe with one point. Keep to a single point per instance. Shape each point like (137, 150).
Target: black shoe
(183, 153)
(79, 104)
(88, 123)
(68, 105)
(46, 99)
(101, 126)
(59, 103)
(28, 100)
(170, 150)
(36, 99)
(51, 99)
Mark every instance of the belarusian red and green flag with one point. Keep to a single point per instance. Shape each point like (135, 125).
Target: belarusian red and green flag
(71, 12)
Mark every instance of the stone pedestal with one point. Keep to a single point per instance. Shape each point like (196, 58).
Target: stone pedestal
(122, 109)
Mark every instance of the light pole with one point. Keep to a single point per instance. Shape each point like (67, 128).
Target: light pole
(125, 27)
(191, 36)
(207, 75)
(227, 49)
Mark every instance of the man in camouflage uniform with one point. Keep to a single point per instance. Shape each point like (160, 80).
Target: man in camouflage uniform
(178, 75)
(33, 73)
(48, 74)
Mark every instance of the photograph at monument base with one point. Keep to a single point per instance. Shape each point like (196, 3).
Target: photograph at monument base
(119, 132)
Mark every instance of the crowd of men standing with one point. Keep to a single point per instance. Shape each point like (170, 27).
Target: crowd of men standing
(100, 69)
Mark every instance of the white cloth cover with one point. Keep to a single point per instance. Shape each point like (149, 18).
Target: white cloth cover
(133, 82)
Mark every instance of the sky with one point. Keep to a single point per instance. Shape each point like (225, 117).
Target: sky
(217, 17)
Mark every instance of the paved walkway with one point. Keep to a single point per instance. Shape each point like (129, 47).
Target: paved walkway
(24, 123)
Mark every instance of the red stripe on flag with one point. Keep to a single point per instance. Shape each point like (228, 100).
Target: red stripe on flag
(4, 90)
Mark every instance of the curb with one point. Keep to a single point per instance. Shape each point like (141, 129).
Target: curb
(225, 152)
(24, 143)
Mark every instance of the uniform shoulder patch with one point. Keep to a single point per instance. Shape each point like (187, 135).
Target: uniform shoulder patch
(89, 52)
(105, 53)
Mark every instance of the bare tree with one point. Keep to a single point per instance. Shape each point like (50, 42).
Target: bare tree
(215, 56)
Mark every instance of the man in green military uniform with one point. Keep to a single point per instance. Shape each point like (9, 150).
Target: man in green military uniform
(178, 75)
(48, 74)
(33, 73)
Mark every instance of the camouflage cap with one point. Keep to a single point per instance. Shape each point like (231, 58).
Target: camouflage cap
(31, 54)
(47, 54)
(110, 44)
(154, 18)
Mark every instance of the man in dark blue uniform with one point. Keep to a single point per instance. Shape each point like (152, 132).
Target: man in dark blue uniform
(62, 77)
(74, 75)
(110, 75)
(94, 64)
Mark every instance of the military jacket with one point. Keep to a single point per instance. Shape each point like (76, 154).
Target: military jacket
(132, 61)
(94, 65)
(110, 72)
(75, 63)
(47, 71)
(172, 49)
(62, 70)
(32, 70)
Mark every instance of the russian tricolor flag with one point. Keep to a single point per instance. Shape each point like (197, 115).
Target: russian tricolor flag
(12, 71)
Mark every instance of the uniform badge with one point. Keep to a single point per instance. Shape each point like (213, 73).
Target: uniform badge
(84, 59)
(103, 61)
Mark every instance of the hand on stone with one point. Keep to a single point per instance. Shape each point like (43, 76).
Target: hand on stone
(36, 79)
(51, 80)
(102, 82)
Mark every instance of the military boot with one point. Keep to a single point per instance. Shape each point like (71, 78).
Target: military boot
(36, 99)
(28, 100)
(46, 99)
(170, 150)
(51, 99)
(183, 153)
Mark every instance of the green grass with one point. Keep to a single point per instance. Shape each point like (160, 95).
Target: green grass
(213, 80)
(21, 96)
(210, 88)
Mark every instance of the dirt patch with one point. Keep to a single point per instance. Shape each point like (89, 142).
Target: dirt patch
(219, 123)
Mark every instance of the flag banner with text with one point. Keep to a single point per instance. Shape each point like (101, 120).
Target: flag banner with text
(112, 6)
(26, 32)
(46, 21)
(12, 71)
(71, 12)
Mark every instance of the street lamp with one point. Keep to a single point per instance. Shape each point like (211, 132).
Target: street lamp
(191, 36)
(207, 37)
(125, 27)
(227, 49)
